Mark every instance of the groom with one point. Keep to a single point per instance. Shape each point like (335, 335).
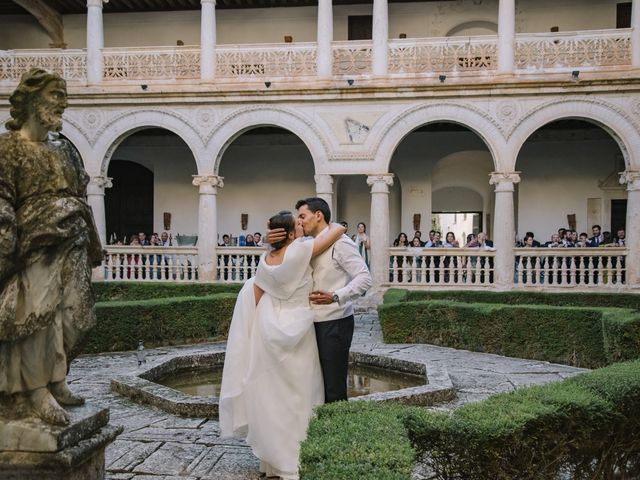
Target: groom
(340, 275)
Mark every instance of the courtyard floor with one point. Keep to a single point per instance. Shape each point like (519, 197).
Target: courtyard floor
(158, 446)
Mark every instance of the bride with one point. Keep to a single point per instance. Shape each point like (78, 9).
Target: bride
(272, 378)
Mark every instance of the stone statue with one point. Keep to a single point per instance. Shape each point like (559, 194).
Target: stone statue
(48, 244)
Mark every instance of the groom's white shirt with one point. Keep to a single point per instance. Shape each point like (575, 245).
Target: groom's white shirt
(342, 271)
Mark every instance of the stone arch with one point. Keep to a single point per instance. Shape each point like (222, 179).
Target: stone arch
(474, 24)
(479, 122)
(243, 120)
(71, 131)
(609, 117)
(112, 133)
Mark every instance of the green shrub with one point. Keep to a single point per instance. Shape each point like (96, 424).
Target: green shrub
(356, 440)
(617, 300)
(582, 336)
(585, 427)
(107, 291)
(120, 324)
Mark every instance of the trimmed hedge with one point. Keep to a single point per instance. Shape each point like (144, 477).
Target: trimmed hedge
(585, 427)
(356, 440)
(615, 300)
(580, 336)
(120, 324)
(108, 291)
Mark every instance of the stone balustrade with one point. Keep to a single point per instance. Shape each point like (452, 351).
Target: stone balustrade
(148, 264)
(446, 267)
(237, 264)
(577, 268)
(547, 269)
(534, 53)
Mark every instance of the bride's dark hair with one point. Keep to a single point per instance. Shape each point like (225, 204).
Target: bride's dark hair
(282, 219)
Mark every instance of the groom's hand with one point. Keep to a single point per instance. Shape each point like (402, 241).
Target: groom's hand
(320, 297)
(276, 235)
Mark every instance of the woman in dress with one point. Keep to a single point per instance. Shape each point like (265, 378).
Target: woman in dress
(362, 242)
(272, 378)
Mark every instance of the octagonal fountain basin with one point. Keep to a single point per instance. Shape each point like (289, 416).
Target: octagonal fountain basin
(190, 385)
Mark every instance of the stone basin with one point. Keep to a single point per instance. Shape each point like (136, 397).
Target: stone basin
(431, 385)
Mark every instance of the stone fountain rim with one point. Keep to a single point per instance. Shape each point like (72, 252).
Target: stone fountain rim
(142, 388)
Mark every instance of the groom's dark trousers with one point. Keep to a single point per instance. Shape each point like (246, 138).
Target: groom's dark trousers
(334, 340)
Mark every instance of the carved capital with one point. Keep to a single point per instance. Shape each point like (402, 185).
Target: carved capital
(96, 3)
(380, 183)
(504, 181)
(208, 183)
(98, 183)
(631, 178)
(324, 183)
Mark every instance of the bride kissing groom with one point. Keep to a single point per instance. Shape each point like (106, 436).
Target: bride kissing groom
(289, 340)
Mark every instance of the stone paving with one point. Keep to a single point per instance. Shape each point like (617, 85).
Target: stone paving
(159, 446)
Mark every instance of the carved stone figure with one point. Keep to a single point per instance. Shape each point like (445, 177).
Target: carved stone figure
(48, 243)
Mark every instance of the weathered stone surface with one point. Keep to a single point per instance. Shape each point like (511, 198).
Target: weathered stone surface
(82, 461)
(34, 435)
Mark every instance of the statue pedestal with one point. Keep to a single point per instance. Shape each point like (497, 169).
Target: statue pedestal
(31, 449)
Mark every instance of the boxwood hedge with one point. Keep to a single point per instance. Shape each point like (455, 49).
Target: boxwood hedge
(159, 314)
(582, 336)
(585, 427)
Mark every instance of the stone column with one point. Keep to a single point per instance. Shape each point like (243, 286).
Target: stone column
(504, 228)
(207, 225)
(380, 51)
(324, 38)
(632, 231)
(95, 41)
(635, 34)
(324, 190)
(208, 40)
(95, 199)
(506, 36)
(379, 227)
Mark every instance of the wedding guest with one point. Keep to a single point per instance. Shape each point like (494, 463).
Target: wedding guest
(257, 237)
(362, 242)
(597, 237)
(450, 241)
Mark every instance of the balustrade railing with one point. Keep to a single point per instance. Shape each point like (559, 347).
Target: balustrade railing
(583, 49)
(534, 53)
(352, 57)
(450, 267)
(570, 267)
(151, 63)
(266, 60)
(443, 55)
(149, 264)
(237, 264)
(70, 64)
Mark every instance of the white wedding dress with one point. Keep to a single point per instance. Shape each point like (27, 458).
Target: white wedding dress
(272, 378)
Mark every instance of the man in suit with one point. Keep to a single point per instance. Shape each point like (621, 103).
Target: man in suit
(340, 275)
(597, 238)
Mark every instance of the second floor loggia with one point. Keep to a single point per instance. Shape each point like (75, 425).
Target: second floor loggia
(416, 60)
